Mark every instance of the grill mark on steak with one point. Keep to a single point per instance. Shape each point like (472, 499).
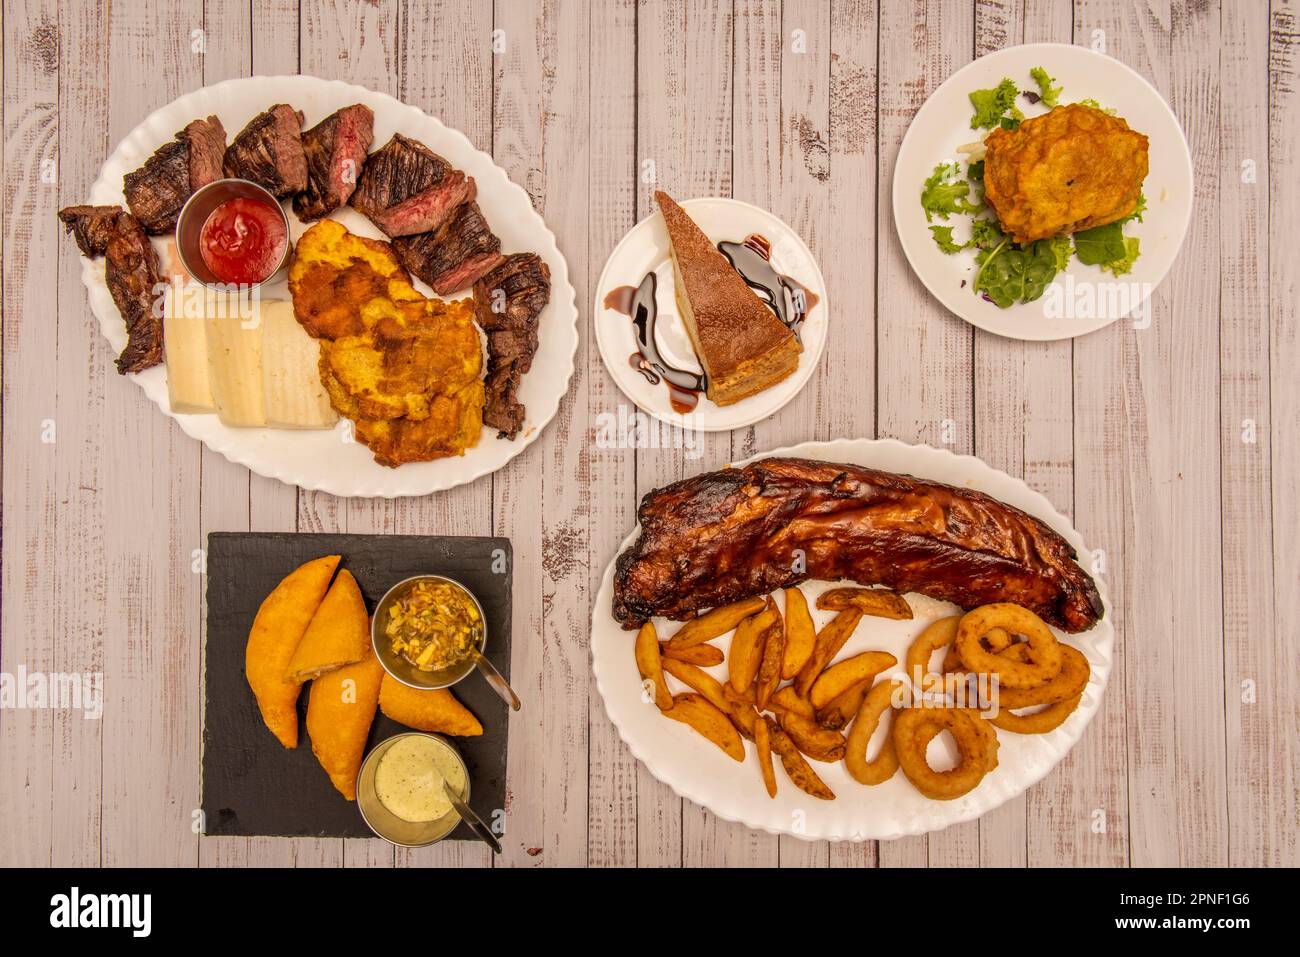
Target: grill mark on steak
(507, 302)
(456, 256)
(406, 188)
(269, 152)
(335, 149)
(156, 191)
(132, 273)
(732, 534)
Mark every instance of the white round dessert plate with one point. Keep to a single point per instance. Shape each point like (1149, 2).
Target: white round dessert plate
(1081, 299)
(697, 770)
(329, 460)
(645, 249)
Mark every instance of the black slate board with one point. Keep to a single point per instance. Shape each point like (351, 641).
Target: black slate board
(252, 785)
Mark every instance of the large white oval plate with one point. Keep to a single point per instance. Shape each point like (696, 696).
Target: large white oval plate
(698, 771)
(326, 460)
(1083, 298)
(645, 249)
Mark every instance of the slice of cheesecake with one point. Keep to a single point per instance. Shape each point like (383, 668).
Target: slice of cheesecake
(742, 345)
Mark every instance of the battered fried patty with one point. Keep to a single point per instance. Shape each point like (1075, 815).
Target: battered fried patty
(1071, 169)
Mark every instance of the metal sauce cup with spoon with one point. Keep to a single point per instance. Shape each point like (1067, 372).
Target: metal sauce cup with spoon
(413, 786)
(426, 679)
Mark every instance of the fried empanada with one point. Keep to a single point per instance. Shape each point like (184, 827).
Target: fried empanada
(276, 632)
(339, 633)
(339, 714)
(435, 711)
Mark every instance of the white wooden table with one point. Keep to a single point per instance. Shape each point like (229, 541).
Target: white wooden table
(1173, 447)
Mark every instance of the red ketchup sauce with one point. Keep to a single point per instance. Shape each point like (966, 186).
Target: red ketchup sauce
(243, 240)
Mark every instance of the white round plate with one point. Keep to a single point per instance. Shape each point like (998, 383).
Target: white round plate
(645, 249)
(326, 460)
(1084, 298)
(698, 771)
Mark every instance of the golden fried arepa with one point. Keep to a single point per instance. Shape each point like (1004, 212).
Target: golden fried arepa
(407, 370)
(1071, 169)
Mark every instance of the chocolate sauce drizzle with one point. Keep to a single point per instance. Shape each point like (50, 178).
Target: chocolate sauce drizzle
(789, 299)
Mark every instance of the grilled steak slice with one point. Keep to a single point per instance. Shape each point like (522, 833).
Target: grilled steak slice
(462, 251)
(336, 150)
(269, 152)
(133, 279)
(406, 188)
(91, 226)
(156, 191)
(734, 533)
(507, 302)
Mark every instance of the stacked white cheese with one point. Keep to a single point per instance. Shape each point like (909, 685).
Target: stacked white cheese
(248, 361)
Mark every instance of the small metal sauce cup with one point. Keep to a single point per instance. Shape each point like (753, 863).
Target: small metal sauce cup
(384, 822)
(195, 212)
(405, 672)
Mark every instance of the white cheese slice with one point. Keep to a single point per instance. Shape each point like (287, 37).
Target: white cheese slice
(291, 386)
(234, 335)
(185, 344)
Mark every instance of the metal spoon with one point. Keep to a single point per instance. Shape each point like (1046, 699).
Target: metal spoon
(472, 820)
(498, 683)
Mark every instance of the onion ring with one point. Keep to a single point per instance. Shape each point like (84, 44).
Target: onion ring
(882, 767)
(914, 728)
(1044, 650)
(936, 635)
(1038, 722)
(996, 641)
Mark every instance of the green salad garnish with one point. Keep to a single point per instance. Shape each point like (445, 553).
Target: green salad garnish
(1009, 273)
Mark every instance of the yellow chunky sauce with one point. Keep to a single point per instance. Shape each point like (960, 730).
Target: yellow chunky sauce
(408, 780)
(434, 626)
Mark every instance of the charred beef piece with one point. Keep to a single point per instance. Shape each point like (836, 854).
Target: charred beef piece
(269, 152)
(336, 150)
(156, 191)
(406, 188)
(737, 532)
(461, 252)
(91, 226)
(507, 302)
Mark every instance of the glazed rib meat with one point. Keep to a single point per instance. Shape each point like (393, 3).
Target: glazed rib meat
(507, 302)
(456, 256)
(269, 152)
(739, 532)
(336, 150)
(406, 188)
(156, 191)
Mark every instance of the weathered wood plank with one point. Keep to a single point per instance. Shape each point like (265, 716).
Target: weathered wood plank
(541, 134)
(33, 469)
(1280, 699)
(612, 170)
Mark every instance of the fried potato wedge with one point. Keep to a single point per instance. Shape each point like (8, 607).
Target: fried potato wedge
(801, 773)
(800, 633)
(816, 742)
(839, 711)
(843, 675)
(338, 635)
(699, 681)
(763, 740)
(829, 642)
(715, 623)
(650, 666)
(787, 699)
(877, 602)
(694, 711)
(703, 654)
(438, 711)
(340, 711)
(769, 667)
(746, 651)
(277, 629)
